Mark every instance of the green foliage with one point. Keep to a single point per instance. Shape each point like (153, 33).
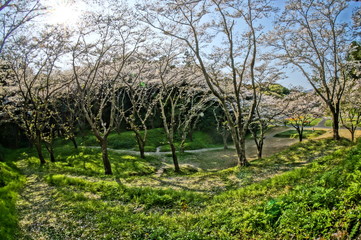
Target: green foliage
(278, 90)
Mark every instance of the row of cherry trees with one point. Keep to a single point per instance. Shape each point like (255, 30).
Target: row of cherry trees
(178, 57)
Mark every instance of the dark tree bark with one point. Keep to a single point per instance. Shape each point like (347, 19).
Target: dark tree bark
(106, 162)
(73, 140)
(174, 157)
(39, 150)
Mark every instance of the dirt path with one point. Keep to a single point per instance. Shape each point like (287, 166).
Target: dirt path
(321, 123)
(38, 210)
(271, 145)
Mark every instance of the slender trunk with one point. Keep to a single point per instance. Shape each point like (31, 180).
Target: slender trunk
(183, 141)
(141, 149)
(52, 157)
(353, 135)
(259, 152)
(260, 149)
(335, 120)
(300, 134)
(73, 140)
(225, 143)
(40, 152)
(38, 147)
(240, 146)
(141, 144)
(242, 152)
(174, 156)
(50, 149)
(106, 162)
(181, 146)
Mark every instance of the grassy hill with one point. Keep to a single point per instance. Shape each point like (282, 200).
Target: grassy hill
(311, 190)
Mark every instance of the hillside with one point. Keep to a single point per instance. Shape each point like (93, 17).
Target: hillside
(311, 190)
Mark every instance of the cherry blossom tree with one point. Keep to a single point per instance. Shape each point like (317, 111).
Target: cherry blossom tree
(351, 109)
(221, 125)
(172, 84)
(16, 14)
(228, 69)
(268, 112)
(311, 36)
(194, 102)
(302, 109)
(104, 47)
(142, 101)
(33, 61)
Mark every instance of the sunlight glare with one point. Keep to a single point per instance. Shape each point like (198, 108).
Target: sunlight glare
(63, 12)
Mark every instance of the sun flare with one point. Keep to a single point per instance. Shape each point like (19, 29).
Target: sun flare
(63, 12)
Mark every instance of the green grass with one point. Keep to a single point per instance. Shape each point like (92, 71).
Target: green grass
(126, 140)
(155, 138)
(328, 123)
(294, 134)
(315, 122)
(10, 184)
(311, 190)
(200, 140)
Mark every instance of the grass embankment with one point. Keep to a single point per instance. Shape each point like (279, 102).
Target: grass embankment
(306, 134)
(311, 190)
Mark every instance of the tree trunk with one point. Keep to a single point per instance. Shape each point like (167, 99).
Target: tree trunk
(40, 152)
(141, 144)
(335, 119)
(300, 134)
(240, 145)
(225, 137)
(260, 149)
(50, 149)
(174, 156)
(141, 149)
(353, 135)
(73, 140)
(181, 147)
(183, 141)
(106, 162)
(52, 157)
(241, 152)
